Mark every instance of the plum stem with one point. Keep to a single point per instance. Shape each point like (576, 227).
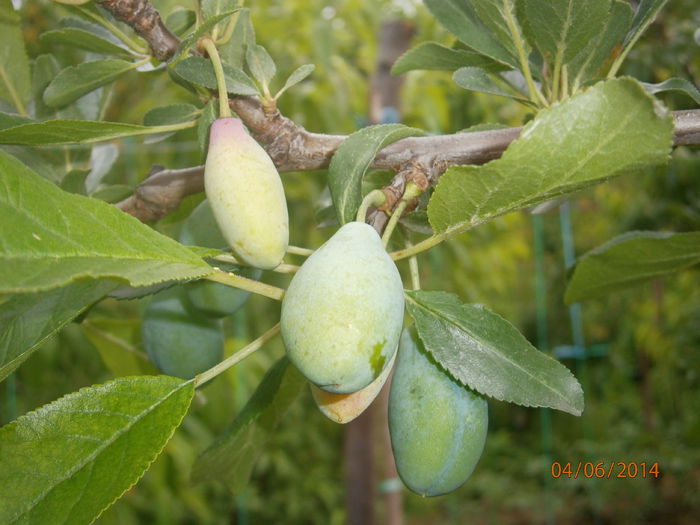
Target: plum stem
(249, 285)
(224, 109)
(373, 198)
(237, 357)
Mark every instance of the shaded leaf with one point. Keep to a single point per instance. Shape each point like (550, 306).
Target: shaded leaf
(351, 161)
(675, 84)
(477, 79)
(560, 29)
(15, 81)
(260, 64)
(209, 114)
(75, 81)
(27, 320)
(232, 457)
(51, 238)
(192, 38)
(434, 56)
(459, 17)
(73, 132)
(611, 128)
(645, 15)
(71, 459)
(629, 259)
(180, 20)
(488, 354)
(118, 355)
(82, 39)
(200, 71)
(233, 51)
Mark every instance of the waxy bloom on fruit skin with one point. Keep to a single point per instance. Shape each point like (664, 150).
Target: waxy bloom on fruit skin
(246, 195)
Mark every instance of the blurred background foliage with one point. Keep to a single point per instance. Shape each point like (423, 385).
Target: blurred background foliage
(642, 396)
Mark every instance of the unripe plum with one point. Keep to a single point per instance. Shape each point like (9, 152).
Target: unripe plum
(246, 195)
(343, 311)
(343, 408)
(437, 426)
(180, 343)
(209, 298)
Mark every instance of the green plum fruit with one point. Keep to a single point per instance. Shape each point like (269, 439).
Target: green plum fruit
(343, 311)
(246, 195)
(343, 408)
(209, 298)
(179, 343)
(437, 426)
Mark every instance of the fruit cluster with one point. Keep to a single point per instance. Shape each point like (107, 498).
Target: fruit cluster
(341, 320)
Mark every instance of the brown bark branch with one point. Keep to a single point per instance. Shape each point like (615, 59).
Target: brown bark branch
(293, 148)
(145, 20)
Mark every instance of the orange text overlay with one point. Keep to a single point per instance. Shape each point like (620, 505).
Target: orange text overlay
(605, 469)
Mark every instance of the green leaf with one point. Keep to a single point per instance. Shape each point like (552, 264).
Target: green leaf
(52, 132)
(488, 354)
(611, 128)
(200, 71)
(645, 15)
(351, 161)
(297, 76)
(260, 64)
(232, 457)
(233, 51)
(171, 114)
(27, 320)
(491, 13)
(195, 35)
(71, 459)
(15, 86)
(82, 39)
(459, 17)
(10, 120)
(477, 79)
(118, 355)
(74, 81)
(589, 60)
(212, 8)
(629, 259)
(434, 56)
(51, 238)
(675, 84)
(209, 114)
(560, 29)
(180, 20)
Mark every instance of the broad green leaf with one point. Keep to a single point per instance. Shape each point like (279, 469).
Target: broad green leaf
(629, 259)
(459, 17)
(488, 354)
(477, 79)
(120, 356)
(200, 71)
(233, 51)
(431, 55)
(14, 65)
(27, 320)
(351, 161)
(675, 84)
(493, 15)
(611, 128)
(68, 461)
(212, 8)
(645, 15)
(195, 35)
(297, 76)
(51, 238)
(589, 60)
(209, 114)
(52, 132)
(260, 64)
(560, 29)
(74, 81)
(44, 70)
(83, 40)
(172, 114)
(232, 457)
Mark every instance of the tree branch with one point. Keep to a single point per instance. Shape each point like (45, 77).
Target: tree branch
(145, 20)
(293, 148)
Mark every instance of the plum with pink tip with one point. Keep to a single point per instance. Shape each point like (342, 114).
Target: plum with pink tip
(246, 195)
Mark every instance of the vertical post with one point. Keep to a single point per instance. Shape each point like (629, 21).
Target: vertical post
(360, 486)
